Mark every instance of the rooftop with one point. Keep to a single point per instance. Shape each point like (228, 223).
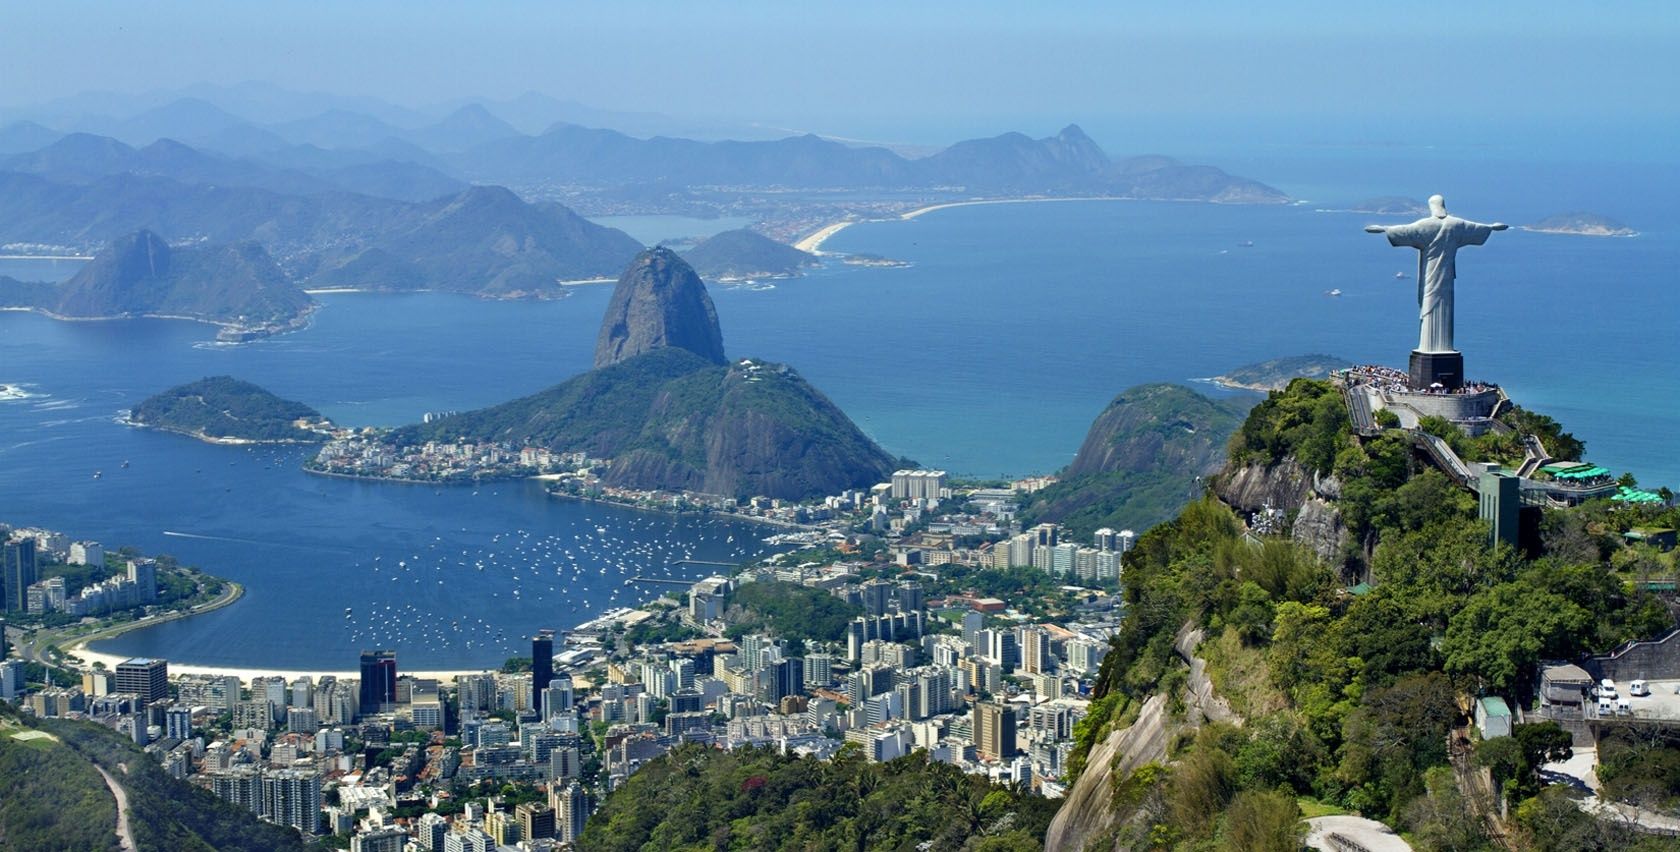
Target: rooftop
(1493, 705)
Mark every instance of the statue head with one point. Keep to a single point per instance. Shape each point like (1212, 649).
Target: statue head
(1437, 206)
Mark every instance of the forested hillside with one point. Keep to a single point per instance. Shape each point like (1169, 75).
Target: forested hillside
(1348, 697)
(696, 798)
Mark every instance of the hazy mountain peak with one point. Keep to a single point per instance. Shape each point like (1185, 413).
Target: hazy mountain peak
(139, 255)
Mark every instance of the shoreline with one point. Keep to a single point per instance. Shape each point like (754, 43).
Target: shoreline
(225, 330)
(731, 516)
(79, 646)
(212, 439)
(813, 242)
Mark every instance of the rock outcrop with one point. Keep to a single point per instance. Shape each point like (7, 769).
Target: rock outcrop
(659, 301)
(1289, 488)
(1087, 812)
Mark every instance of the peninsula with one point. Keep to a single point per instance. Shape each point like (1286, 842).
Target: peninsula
(663, 409)
(744, 253)
(1275, 374)
(226, 410)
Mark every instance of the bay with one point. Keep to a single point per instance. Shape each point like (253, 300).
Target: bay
(989, 355)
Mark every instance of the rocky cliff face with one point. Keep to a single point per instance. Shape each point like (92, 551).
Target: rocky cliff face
(1287, 487)
(1087, 814)
(659, 301)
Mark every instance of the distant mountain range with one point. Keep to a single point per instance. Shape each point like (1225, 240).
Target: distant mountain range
(483, 241)
(82, 158)
(1067, 163)
(474, 143)
(345, 198)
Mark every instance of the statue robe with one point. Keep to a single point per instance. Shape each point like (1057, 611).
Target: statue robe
(1437, 242)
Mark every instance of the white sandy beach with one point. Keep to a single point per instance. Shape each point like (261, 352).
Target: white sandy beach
(111, 660)
(813, 242)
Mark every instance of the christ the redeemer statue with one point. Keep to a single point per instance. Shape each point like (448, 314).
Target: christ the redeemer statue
(1437, 238)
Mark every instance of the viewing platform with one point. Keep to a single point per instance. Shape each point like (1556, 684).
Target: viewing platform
(1371, 388)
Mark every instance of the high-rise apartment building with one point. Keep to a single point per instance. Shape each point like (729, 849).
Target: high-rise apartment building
(994, 731)
(379, 681)
(542, 661)
(18, 571)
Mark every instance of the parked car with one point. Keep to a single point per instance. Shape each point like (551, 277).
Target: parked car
(1607, 689)
(1640, 688)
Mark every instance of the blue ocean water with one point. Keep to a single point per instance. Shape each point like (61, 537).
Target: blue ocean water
(989, 355)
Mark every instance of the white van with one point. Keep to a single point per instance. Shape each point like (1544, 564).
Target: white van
(1606, 707)
(1639, 688)
(1607, 689)
(1624, 707)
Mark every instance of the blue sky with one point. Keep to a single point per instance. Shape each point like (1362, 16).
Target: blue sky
(903, 71)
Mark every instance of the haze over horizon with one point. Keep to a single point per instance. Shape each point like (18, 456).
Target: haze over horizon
(1146, 80)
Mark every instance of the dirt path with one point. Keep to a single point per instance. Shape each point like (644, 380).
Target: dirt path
(117, 790)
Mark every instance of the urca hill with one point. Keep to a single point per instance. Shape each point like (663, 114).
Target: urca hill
(671, 413)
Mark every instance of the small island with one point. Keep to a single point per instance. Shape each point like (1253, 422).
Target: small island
(225, 410)
(1581, 224)
(873, 260)
(1277, 373)
(1391, 205)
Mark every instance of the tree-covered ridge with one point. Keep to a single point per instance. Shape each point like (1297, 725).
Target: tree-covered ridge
(164, 812)
(1349, 697)
(790, 611)
(54, 799)
(697, 798)
(226, 407)
(1143, 458)
(670, 419)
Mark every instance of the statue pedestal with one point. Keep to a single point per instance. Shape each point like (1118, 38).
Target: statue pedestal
(1444, 368)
